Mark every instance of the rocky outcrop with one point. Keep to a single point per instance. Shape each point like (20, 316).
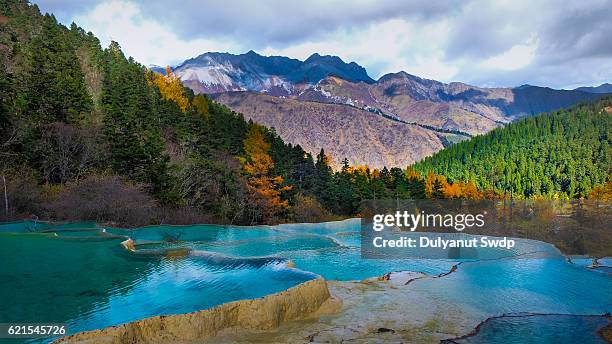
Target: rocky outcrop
(375, 311)
(307, 300)
(129, 245)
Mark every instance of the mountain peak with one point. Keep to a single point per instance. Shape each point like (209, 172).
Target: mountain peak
(157, 69)
(219, 72)
(396, 75)
(316, 57)
(401, 75)
(603, 88)
(523, 86)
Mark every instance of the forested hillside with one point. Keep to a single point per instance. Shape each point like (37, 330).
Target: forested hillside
(560, 154)
(89, 134)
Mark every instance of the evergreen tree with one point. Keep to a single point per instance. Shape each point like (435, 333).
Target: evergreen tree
(560, 154)
(62, 91)
(324, 187)
(131, 122)
(54, 88)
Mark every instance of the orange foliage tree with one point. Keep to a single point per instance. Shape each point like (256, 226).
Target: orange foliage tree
(470, 191)
(257, 164)
(602, 192)
(430, 179)
(171, 88)
(436, 186)
(412, 174)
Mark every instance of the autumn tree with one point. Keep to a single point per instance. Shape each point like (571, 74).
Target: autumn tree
(440, 188)
(470, 191)
(171, 88)
(264, 188)
(430, 179)
(602, 192)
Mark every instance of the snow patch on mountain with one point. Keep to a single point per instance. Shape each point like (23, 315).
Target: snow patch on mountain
(275, 75)
(209, 75)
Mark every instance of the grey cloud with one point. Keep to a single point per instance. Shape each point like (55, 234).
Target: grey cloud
(277, 23)
(482, 30)
(578, 33)
(570, 74)
(573, 44)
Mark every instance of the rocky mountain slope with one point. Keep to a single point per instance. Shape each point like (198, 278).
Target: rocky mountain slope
(344, 131)
(455, 106)
(446, 112)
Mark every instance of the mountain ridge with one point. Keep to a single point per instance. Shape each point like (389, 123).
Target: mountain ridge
(456, 109)
(316, 58)
(603, 88)
(215, 72)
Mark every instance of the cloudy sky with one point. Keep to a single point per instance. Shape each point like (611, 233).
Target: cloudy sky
(561, 44)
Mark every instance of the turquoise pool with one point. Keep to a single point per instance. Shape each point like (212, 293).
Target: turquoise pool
(548, 328)
(81, 275)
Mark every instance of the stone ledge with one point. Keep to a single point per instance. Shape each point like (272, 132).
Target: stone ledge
(307, 300)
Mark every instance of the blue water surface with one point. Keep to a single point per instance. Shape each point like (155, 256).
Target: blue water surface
(80, 274)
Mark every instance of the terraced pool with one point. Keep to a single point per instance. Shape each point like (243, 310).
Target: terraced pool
(80, 274)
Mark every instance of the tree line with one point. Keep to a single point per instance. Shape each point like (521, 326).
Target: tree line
(90, 134)
(562, 154)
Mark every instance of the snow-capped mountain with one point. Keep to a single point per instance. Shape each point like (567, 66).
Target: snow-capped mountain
(326, 102)
(275, 75)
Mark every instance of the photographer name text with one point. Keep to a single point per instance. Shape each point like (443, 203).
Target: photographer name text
(426, 242)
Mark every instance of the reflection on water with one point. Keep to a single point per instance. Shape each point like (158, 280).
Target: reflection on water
(80, 274)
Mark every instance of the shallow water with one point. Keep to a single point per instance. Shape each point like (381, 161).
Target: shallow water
(540, 329)
(81, 275)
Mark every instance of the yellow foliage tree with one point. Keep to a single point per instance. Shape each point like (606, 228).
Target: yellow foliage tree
(430, 179)
(171, 88)
(412, 174)
(470, 191)
(437, 186)
(602, 192)
(454, 190)
(257, 164)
